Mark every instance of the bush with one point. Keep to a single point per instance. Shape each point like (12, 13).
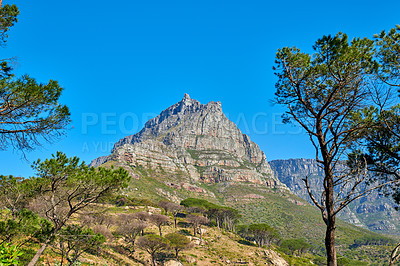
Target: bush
(9, 254)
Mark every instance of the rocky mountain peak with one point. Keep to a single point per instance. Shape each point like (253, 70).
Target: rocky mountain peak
(186, 97)
(198, 139)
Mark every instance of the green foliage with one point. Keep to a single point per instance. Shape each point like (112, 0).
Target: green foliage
(194, 202)
(375, 240)
(152, 244)
(388, 54)
(8, 17)
(65, 186)
(132, 201)
(293, 245)
(74, 184)
(23, 225)
(224, 216)
(73, 240)
(262, 234)
(9, 254)
(178, 242)
(35, 114)
(342, 261)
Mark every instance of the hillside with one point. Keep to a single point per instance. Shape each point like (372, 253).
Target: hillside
(193, 150)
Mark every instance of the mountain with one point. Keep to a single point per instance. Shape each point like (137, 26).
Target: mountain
(193, 150)
(375, 212)
(199, 141)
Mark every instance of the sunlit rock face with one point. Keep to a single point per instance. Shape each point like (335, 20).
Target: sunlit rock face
(197, 140)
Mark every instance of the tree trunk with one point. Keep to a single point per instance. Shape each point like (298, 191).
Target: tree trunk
(330, 218)
(330, 243)
(159, 228)
(38, 254)
(175, 222)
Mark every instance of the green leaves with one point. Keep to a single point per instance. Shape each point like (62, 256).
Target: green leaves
(30, 112)
(9, 254)
(389, 54)
(66, 185)
(8, 17)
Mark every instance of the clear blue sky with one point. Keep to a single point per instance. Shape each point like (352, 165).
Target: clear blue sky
(123, 62)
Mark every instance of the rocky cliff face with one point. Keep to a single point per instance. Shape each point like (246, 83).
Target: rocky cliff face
(198, 141)
(374, 212)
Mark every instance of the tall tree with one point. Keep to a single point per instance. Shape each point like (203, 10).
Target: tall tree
(380, 143)
(65, 186)
(321, 92)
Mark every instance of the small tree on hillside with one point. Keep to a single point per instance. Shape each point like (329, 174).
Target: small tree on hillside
(152, 244)
(130, 228)
(178, 242)
(74, 240)
(197, 221)
(13, 193)
(293, 245)
(171, 207)
(143, 217)
(262, 234)
(159, 220)
(65, 186)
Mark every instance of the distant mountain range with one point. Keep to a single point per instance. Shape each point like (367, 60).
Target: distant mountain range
(375, 212)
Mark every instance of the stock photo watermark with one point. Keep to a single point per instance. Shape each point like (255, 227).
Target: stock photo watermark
(129, 123)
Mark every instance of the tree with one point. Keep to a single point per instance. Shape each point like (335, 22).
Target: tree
(13, 193)
(197, 221)
(143, 217)
(263, 234)
(29, 111)
(178, 242)
(8, 17)
(152, 244)
(65, 186)
(321, 92)
(130, 228)
(381, 142)
(73, 240)
(293, 245)
(169, 206)
(159, 220)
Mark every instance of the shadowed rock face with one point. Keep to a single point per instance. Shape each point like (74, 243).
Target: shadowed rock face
(196, 139)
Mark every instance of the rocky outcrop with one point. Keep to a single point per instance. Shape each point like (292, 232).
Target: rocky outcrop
(374, 211)
(198, 141)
